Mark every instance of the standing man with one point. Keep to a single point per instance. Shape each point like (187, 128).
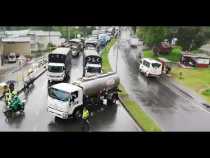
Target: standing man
(85, 117)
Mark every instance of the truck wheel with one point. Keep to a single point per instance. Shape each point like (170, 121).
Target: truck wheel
(140, 70)
(77, 113)
(114, 99)
(57, 119)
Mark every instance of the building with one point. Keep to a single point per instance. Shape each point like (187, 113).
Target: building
(39, 39)
(19, 45)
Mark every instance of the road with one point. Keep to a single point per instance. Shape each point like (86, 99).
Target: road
(38, 119)
(171, 109)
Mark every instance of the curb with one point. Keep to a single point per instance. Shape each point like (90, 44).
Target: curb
(120, 100)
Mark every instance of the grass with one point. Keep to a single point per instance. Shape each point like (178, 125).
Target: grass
(206, 92)
(173, 56)
(197, 79)
(142, 119)
(105, 52)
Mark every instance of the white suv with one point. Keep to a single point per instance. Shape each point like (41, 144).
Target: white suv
(150, 67)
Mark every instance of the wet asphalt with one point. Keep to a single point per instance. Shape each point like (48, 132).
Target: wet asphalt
(170, 107)
(36, 118)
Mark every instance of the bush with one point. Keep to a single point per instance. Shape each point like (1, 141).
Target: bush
(206, 92)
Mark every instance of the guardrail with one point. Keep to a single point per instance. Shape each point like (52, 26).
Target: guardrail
(41, 62)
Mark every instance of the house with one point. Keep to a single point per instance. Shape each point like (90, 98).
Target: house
(195, 60)
(19, 45)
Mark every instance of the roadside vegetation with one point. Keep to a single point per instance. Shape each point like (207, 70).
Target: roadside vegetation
(142, 119)
(173, 56)
(197, 79)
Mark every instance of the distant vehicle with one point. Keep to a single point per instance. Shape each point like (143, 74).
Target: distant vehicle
(95, 32)
(102, 38)
(150, 67)
(76, 47)
(162, 48)
(134, 42)
(91, 40)
(92, 63)
(90, 44)
(94, 36)
(59, 64)
(12, 57)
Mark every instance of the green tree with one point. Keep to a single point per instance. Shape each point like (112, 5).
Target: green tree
(153, 35)
(190, 38)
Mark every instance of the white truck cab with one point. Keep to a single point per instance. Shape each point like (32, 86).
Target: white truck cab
(63, 99)
(56, 71)
(150, 67)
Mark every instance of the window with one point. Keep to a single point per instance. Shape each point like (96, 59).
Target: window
(145, 63)
(94, 69)
(55, 68)
(155, 65)
(74, 95)
(58, 94)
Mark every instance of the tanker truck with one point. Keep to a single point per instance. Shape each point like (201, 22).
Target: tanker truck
(66, 100)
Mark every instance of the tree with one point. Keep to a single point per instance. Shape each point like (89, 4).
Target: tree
(153, 35)
(190, 38)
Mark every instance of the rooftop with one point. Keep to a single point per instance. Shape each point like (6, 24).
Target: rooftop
(151, 60)
(67, 87)
(61, 50)
(16, 39)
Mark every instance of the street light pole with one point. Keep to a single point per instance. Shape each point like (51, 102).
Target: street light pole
(49, 39)
(117, 52)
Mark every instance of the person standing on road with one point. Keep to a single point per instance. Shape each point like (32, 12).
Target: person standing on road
(85, 117)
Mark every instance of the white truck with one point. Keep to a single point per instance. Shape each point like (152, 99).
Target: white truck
(59, 65)
(66, 100)
(92, 62)
(12, 57)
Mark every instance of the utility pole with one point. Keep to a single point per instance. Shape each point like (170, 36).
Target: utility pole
(49, 39)
(117, 51)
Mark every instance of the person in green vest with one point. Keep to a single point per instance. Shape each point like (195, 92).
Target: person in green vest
(85, 117)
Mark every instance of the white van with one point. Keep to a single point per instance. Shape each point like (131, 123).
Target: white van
(150, 67)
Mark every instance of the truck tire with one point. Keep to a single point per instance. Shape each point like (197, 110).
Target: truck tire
(77, 113)
(49, 83)
(57, 119)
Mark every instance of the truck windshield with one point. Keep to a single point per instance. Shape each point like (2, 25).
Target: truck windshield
(94, 69)
(56, 58)
(55, 68)
(58, 94)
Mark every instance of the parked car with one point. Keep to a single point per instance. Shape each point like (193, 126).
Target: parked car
(150, 67)
(162, 48)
